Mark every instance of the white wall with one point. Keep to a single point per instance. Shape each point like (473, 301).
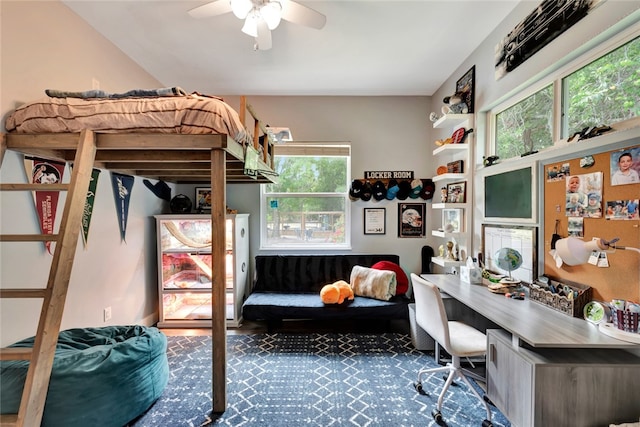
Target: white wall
(45, 45)
(386, 133)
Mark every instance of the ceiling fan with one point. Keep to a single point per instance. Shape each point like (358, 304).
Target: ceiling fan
(262, 16)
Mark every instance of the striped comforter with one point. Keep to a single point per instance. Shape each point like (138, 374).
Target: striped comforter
(189, 114)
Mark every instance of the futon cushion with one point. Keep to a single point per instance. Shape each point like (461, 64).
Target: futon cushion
(101, 376)
(275, 306)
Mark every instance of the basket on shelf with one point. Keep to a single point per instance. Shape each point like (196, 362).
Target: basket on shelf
(571, 307)
(625, 320)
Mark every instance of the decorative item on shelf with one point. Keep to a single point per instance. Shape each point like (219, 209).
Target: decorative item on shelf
(451, 256)
(508, 259)
(441, 170)
(456, 192)
(443, 195)
(460, 135)
(203, 199)
(455, 167)
(490, 160)
(452, 220)
(457, 137)
(180, 204)
(589, 132)
(433, 117)
(455, 104)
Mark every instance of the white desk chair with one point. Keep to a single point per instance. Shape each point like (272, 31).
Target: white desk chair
(458, 339)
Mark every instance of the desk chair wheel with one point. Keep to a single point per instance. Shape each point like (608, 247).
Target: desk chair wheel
(419, 389)
(437, 417)
(487, 423)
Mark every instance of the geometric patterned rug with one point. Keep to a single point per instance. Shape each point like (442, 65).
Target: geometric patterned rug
(309, 379)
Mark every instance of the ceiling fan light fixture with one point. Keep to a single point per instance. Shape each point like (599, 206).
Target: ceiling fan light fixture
(271, 12)
(250, 26)
(241, 8)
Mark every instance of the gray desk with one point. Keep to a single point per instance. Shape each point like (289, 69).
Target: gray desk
(533, 323)
(545, 368)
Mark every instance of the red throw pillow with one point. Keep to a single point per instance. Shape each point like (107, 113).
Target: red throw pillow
(402, 281)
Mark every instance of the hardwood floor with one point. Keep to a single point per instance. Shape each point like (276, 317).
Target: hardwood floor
(305, 326)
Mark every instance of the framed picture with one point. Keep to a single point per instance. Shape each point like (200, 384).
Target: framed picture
(452, 220)
(457, 192)
(410, 219)
(375, 220)
(466, 85)
(203, 199)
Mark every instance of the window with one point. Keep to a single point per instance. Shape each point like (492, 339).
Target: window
(526, 126)
(604, 92)
(309, 206)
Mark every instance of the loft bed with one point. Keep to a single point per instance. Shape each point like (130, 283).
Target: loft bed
(166, 138)
(181, 139)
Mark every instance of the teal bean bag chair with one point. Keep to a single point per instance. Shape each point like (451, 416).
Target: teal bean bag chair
(101, 376)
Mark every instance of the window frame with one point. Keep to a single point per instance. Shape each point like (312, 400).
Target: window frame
(322, 149)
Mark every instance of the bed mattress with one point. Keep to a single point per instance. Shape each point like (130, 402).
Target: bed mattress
(189, 114)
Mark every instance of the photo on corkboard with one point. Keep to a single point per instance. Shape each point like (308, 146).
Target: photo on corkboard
(625, 166)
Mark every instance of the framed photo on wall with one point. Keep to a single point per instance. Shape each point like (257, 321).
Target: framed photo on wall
(203, 199)
(466, 85)
(452, 220)
(457, 192)
(410, 219)
(375, 220)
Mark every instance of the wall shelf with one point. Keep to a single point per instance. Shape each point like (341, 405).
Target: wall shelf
(451, 120)
(442, 262)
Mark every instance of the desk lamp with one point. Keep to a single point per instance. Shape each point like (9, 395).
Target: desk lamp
(575, 251)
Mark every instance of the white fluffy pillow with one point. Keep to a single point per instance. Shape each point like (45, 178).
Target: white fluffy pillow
(368, 282)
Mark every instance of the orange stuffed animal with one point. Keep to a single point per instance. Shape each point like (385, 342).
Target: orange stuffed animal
(336, 293)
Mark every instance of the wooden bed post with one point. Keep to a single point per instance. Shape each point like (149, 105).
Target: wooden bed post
(218, 281)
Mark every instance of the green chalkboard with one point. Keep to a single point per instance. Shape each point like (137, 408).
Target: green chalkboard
(509, 194)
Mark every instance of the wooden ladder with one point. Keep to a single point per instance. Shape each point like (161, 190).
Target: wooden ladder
(41, 356)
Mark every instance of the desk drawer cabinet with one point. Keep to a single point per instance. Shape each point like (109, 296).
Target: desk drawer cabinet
(562, 387)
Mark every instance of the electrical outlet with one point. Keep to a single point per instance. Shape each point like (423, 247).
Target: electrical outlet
(107, 314)
(95, 83)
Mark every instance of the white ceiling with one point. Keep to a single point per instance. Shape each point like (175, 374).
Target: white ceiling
(368, 47)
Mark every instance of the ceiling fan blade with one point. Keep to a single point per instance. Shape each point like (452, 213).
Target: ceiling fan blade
(299, 14)
(214, 8)
(263, 40)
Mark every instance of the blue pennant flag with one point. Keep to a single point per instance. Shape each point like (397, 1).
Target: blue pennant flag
(122, 186)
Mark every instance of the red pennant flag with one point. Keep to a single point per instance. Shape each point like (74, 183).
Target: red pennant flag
(46, 172)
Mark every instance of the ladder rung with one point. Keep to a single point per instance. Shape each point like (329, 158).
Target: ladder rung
(8, 420)
(16, 353)
(22, 293)
(34, 187)
(28, 237)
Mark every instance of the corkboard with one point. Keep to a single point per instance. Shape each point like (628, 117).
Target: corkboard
(622, 278)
